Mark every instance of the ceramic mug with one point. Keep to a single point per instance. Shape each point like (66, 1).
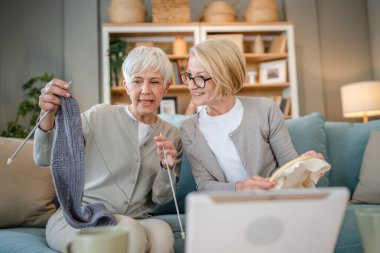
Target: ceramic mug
(369, 228)
(99, 240)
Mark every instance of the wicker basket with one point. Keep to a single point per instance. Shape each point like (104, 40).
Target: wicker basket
(170, 11)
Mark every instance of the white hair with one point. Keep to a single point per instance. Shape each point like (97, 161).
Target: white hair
(143, 59)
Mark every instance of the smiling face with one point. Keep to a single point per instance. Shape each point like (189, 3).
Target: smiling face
(200, 96)
(146, 91)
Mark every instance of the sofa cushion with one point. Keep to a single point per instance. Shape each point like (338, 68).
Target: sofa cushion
(24, 240)
(26, 191)
(174, 119)
(346, 144)
(186, 184)
(307, 133)
(368, 190)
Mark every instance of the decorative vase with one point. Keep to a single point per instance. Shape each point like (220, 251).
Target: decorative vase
(126, 11)
(179, 46)
(218, 11)
(258, 45)
(262, 11)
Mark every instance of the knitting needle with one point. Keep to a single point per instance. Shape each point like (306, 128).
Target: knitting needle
(173, 192)
(10, 159)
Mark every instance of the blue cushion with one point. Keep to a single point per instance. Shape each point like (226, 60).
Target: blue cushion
(24, 240)
(308, 133)
(186, 181)
(346, 145)
(186, 184)
(175, 119)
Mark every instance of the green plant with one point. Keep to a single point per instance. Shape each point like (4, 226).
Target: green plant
(117, 54)
(28, 110)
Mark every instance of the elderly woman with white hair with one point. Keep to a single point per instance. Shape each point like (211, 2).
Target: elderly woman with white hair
(124, 166)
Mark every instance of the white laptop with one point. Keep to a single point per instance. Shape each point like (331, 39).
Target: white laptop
(278, 221)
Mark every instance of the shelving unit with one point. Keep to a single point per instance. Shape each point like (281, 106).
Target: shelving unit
(163, 35)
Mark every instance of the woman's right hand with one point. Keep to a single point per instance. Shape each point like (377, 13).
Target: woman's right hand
(255, 183)
(49, 100)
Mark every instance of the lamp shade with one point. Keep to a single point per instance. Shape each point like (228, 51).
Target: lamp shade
(361, 99)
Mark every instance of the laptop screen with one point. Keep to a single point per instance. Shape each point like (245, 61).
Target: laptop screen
(303, 220)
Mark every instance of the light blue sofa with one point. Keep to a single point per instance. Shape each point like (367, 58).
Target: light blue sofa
(341, 143)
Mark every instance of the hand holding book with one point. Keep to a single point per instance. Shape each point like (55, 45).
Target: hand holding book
(302, 172)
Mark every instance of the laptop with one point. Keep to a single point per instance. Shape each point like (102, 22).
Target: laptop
(289, 221)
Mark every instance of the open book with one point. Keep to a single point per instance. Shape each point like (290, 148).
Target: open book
(302, 172)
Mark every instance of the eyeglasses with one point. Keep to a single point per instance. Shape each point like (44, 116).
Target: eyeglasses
(199, 81)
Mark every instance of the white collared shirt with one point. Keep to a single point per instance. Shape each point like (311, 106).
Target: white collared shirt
(216, 130)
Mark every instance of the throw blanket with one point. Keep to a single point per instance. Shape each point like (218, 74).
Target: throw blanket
(68, 170)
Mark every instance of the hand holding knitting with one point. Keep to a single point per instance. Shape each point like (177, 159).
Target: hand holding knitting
(163, 143)
(49, 100)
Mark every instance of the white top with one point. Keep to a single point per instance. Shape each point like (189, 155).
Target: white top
(143, 129)
(216, 130)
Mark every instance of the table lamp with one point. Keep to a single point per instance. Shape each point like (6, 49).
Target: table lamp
(361, 99)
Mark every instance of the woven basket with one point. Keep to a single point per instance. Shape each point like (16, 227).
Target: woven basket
(170, 11)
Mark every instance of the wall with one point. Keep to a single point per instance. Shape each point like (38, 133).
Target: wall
(54, 36)
(333, 49)
(81, 50)
(373, 9)
(337, 42)
(345, 49)
(26, 48)
(310, 83)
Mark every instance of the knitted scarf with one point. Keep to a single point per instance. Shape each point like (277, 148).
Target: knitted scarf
(68, 170)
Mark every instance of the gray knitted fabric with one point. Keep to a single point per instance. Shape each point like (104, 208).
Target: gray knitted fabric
(68, 170)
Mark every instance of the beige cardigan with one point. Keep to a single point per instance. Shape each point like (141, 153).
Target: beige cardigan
(126, 178)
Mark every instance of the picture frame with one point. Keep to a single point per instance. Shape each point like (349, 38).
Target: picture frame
(278, 45)
(273, 72)
(168, 106)
(285, 106)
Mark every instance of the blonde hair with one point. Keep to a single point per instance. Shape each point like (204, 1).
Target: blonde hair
(225, 63)
(142, 59)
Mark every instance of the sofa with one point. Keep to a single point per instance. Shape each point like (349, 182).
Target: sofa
(343, 144)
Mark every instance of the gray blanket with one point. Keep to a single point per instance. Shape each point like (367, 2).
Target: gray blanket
(68, 169)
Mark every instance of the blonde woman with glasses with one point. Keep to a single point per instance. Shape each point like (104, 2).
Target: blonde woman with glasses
(235, 143)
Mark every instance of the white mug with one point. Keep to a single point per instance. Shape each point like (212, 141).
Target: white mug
(99, 240)
(368, 220)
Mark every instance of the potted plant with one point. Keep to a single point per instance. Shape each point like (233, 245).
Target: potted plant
(117, 54)
(28, 110)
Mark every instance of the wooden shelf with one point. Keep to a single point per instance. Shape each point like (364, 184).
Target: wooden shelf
(163, 35)
(178, 87)
(260, 86)
(265, 57)
(178, 57)
(248, 56)
(119, 90)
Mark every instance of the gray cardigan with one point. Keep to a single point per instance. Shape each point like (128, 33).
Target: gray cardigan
(262, 141)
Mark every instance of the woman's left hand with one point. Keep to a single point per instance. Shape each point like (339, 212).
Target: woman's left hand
(314, 154)
(163, 143)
